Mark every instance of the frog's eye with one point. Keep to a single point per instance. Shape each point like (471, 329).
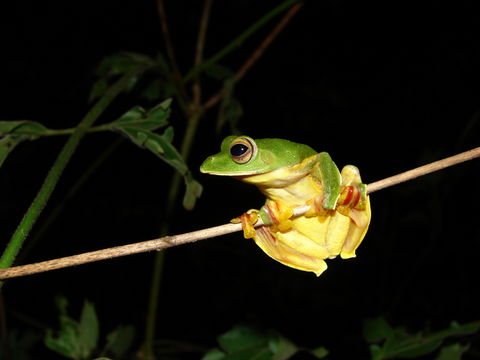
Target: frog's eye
(242, 150)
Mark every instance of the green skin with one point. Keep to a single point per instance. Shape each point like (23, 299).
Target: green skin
(273, 154)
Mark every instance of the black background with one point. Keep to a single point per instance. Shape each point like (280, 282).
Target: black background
(385, 86)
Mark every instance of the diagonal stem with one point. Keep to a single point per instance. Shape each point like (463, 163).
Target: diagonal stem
(56, 171)
(239, 39)
(256, 54)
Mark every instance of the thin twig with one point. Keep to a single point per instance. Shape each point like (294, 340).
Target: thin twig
(177, 76)
(169, 241)
(202, 32)
(256, 54)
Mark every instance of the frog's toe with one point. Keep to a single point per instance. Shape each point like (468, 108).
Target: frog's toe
(248, 220)
(277, 215)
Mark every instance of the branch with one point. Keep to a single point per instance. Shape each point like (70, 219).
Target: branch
(177, 76)
(202, 32)
(256, 54)
(169, 241)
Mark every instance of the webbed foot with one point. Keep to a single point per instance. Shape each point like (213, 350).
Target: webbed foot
(277, 215)
(248, 220)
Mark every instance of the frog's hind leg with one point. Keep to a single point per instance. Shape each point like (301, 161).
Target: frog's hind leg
(284, 254)
(354, 203)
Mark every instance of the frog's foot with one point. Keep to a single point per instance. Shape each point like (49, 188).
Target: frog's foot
(353, 198)
(248, 220)
(277, 215)
(317, 209)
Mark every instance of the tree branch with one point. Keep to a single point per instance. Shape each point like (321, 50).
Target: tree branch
(169, 241)
(256, 54)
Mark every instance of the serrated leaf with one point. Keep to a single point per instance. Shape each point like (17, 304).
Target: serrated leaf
(64, 344)
(122, 62)
(161, 112)
(320, 352)
(88, 329)
(156, 144)
(140, 119)
(120, 340)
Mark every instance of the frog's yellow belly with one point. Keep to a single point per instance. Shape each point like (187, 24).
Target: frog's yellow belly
(311, 240)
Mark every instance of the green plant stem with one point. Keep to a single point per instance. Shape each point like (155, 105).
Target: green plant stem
(60, 132)
(55, 172)
(157, 270)
(72, 191)
(239, 39)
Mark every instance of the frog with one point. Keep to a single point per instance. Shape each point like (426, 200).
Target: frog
(292, 175)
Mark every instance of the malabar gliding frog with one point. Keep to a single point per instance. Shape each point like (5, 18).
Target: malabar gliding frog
(291, 175)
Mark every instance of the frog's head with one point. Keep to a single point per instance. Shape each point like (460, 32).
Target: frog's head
(241, 156)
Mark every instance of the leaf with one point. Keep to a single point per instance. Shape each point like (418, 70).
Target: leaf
(376, 329)
(140, 119)
(88, 329)
(121, 63)
(192, 192)
(22, 127)
(240, 338)
(400, 344)
(214, 354)
(452, 352)
(158, 145)
(120, 340)
(320, 352)
(281, 347)
(115, 65)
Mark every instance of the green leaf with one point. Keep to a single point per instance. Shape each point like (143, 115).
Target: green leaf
(400, 344)
(192, 192)
(452, 352)
(120, 340)
(240, 338)
(88, 329)
(376, 329)
(115, 65)
(157, 144)
(320, 352)
(214, 354)
(122, 62)
(140, 119)
(281, 347)
(22, 127)
(66, 341)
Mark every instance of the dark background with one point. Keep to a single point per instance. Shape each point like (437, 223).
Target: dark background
(385, 86)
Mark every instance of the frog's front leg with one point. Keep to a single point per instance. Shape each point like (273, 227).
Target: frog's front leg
(274, 214)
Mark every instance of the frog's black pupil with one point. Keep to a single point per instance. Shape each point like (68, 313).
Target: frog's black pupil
(238, 149)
